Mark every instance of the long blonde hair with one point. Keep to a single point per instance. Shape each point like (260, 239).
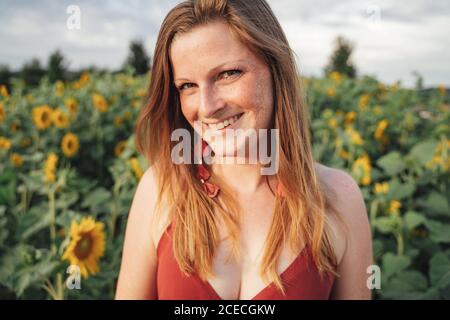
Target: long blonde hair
(300, 216)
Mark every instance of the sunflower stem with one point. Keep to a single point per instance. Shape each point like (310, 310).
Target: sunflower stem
(373, 213)
(52, 208)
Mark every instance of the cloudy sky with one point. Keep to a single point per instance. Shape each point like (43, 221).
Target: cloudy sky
(392, 38)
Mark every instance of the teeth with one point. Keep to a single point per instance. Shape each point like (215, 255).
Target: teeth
(223, 124)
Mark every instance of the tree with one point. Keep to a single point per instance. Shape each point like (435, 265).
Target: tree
(5, 75)
(138, 58)
(340, 59)
(32, 72)
(57, 67)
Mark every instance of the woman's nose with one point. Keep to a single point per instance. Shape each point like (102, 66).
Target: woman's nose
(210, 103)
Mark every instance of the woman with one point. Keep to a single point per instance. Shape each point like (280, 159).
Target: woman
(224, 230)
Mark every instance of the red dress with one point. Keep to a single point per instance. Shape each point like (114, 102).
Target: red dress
(301, 279)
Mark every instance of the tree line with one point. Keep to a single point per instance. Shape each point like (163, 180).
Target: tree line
(57, 66)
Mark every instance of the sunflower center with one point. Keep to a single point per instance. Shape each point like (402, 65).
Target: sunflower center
(45, 117)
(84, 247)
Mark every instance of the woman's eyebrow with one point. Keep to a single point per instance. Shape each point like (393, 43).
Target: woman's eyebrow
(216, 68)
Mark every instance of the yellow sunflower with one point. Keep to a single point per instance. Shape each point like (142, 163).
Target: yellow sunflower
(362, 169)
(379, 132)
(394, 206)
(42, 116)
(2, 112)
(355, 137)
(70, 144)
(120, 147)
(4, 91)
(87, 245)
(363, 101)
(335, 76)
(71, 104)
(50, 167)
(60, 119)
(349, 118)
(99, 102)
(16, 159)
(14, 127)
(5, 143)
(136, 167)
(381, 188)
(59, 88)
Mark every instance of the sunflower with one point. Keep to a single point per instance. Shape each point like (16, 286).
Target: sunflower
(71, 104)
(394, 206)
(363, 101)
(60, 119)
(355, 137)
(87, 245)
(50, 167)
(349, 118)
(70, 144)
(99, 102)
(2, 112)
(59, 88)
(42, 116)
(379, 132)
(16, 159)
(136, 167)
(14, 127)
(335, 76)
(381, 188)
(118, 120)
(120, 147)
(5, 143)
(330, 92)
(4, 91)
(362, 169)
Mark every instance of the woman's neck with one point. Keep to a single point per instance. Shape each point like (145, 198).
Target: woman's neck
(242, 178)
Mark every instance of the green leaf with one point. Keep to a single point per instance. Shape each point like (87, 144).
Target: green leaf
(31, 222)
(388, 224)
(436, 204)
(440, 270)
(398, 190)
(97, 197)
(392, 163)
(423, 151)
(439, 232)
(409, 284)
(394, 264)
(413, 219)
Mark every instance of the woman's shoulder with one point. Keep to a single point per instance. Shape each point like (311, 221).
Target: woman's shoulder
(350, 206)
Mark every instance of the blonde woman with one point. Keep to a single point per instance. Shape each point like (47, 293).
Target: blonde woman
(224, 230)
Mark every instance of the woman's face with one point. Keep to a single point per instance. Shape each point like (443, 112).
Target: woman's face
(222, 85)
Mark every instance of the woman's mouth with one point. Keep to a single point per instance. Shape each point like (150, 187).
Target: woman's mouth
(219, 126)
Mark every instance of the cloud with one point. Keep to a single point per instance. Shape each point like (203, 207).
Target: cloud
(391, 39)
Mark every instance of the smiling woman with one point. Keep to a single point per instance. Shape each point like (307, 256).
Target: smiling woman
(228, 65)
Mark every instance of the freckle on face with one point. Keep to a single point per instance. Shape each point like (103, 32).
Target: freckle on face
(195, 53)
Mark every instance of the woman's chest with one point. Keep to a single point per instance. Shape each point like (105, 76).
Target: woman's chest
(240, 278)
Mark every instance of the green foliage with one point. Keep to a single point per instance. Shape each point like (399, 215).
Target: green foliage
(383, 135)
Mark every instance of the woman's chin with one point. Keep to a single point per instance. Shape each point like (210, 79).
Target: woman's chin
(227, 149)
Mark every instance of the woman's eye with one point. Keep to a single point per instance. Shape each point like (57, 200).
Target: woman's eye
(184, 86)
(229, 73)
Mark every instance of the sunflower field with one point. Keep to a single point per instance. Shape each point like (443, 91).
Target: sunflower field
(69, 170)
